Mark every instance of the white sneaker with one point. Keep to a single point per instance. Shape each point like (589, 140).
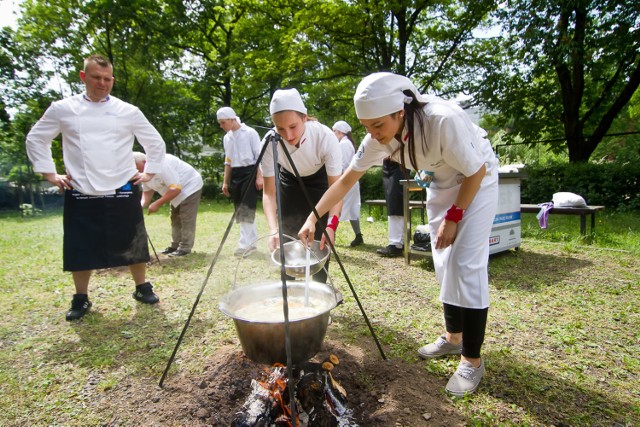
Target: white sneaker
(441, 347)
(466, 379)
(244, 252)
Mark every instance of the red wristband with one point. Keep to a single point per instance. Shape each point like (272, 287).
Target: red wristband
(454, 214)
(333, 223)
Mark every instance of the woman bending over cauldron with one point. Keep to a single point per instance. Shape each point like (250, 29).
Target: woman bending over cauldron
(315, 152)
(426, 133)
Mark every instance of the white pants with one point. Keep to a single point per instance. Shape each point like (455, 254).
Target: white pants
(396, 230)
(248, 235)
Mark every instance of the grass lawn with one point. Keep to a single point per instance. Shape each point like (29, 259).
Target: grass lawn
(562, 342)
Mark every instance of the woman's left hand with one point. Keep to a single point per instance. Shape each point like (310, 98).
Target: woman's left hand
(446, 234)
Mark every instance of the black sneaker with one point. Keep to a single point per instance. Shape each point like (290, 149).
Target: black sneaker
(391, 251)
(80, 304)
(168, 250)
(357, 241)
(144, 294)
(179, 252)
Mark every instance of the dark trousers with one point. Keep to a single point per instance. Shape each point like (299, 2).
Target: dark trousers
(472, 322)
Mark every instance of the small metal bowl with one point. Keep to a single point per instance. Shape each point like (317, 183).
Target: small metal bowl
(295, 255)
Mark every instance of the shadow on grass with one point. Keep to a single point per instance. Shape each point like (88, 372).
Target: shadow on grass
(532, 271)
(141, 343)
(544, 397)
(552, 399)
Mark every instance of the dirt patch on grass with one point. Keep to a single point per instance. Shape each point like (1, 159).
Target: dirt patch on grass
(380, 393)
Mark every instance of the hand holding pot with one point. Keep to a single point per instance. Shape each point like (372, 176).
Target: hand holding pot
(274, 241)
(307, 232)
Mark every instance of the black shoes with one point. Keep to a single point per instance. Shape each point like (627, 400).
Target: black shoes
(80, 303)
(357, 241)
(179, 252)
(391, 251)
(168, 250)
(144, 294)
(79, 307)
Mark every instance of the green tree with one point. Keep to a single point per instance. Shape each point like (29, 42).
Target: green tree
(568, 70)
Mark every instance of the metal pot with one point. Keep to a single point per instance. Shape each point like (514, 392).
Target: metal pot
(295, 255)
(263, 339)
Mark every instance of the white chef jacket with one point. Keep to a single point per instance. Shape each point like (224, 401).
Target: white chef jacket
(97, 142)
(319, 147)
(241, 147)
(175, 174)
(455, 148)
(351, 203)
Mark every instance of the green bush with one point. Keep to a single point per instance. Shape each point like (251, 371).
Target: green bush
(612, 185)
(371, 185)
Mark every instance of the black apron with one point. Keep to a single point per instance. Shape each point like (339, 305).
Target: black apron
(104, 231)
(295, 208)
(241, 180)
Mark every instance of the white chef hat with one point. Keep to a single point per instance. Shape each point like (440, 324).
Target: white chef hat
(287, 99)
(380, 94)
(342, 126)
(226, 113)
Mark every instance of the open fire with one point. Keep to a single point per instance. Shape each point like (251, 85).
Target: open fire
(320, 400)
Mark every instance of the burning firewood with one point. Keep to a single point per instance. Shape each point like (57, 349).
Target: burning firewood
(320, 399)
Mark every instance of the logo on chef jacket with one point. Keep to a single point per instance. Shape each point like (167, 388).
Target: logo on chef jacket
(360, 152)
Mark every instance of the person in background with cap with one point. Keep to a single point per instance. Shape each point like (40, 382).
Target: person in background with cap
(180, 185)
(433, 135)
(351, 202)
(315, 152)
(241, 151)
(102, 220)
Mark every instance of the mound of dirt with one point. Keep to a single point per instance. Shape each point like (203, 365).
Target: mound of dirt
(379, 392)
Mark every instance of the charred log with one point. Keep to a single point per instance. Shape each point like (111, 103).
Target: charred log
(320, 400)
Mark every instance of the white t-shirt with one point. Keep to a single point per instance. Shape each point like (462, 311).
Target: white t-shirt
(176, 174)
(455, 147)
(241, 147)
(97, 142)
(318, 146)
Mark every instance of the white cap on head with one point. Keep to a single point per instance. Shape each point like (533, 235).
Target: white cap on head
(226, 113)
(342, 126)
(287, 99)
(381, 94)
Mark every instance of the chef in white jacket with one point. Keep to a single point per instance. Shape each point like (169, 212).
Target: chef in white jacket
(351, 203)
(437, 138)
(103, 221)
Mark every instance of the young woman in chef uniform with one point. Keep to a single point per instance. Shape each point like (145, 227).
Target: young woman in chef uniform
(426, 133)
(351, 202)
(315, 152)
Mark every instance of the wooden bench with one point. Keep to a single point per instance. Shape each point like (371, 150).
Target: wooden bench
(583, 212)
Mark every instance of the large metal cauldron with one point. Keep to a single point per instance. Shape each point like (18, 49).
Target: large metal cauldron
(262, 334)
